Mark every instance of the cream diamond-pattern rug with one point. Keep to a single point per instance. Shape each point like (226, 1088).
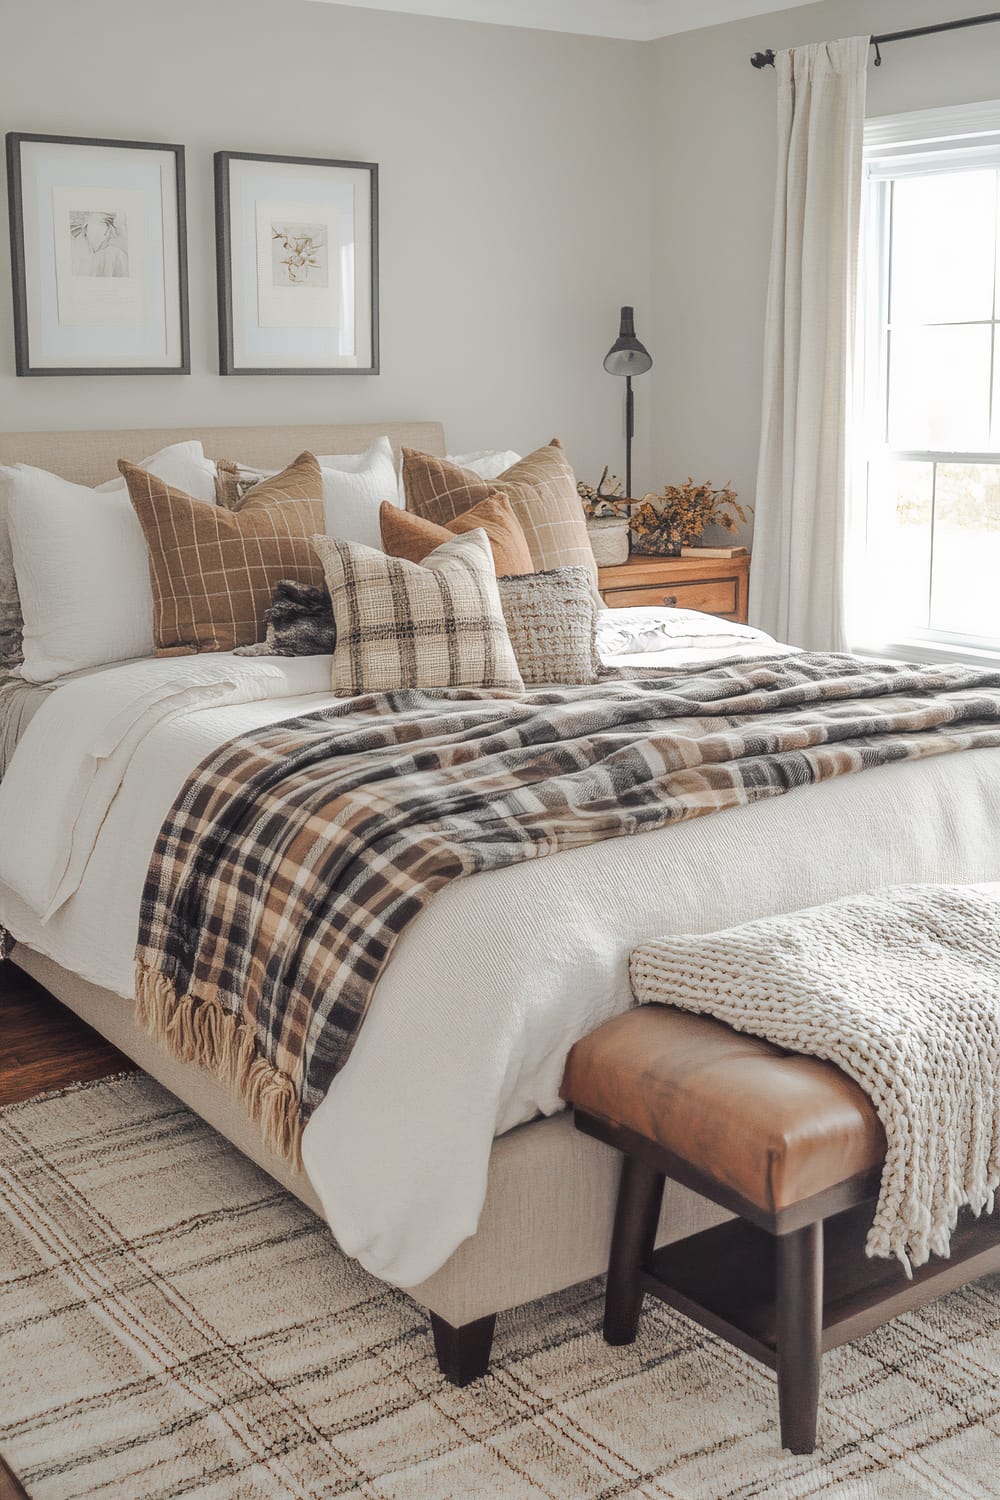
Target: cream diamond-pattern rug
(172, 1324)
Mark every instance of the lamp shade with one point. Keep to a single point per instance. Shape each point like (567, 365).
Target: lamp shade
(626, 355)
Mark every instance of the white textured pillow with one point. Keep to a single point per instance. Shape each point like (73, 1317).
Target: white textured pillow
(81, 563)
(354, 486)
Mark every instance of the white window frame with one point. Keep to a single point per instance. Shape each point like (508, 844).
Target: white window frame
(924, 141)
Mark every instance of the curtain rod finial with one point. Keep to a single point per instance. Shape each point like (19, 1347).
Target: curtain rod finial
(763, 59)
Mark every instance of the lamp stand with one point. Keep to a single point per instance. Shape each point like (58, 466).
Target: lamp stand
(629, 430)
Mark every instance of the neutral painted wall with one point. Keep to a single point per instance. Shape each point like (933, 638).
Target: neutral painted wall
(514, 199)
(713, 135)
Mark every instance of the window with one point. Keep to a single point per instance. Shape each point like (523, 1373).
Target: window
(925, 579)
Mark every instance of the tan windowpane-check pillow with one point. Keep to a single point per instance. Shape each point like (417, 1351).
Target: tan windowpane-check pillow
(542, 493)
(417, 625)
(213, 571)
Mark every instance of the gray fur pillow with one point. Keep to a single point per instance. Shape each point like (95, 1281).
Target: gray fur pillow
(299, 623)
(552, 621)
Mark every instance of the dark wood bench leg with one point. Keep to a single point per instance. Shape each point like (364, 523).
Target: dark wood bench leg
(799, 1297)
(640, 1194)
(463, 1354)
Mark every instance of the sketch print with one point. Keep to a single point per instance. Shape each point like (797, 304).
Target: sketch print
(99, 241)
(299, 255)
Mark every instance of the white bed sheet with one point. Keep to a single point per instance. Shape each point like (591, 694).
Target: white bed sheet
(491, 985)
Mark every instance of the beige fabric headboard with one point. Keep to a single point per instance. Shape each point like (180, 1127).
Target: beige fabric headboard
(92, 457)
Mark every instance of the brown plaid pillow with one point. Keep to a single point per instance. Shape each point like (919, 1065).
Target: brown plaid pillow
(417, 625)
(213, 571)
(542, 492)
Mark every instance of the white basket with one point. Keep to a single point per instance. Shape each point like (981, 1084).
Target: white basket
(609, 539)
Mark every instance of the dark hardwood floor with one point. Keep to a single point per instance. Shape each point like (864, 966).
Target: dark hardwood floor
(43, 1046)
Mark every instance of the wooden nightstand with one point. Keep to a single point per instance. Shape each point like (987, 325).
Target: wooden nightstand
(715, 585)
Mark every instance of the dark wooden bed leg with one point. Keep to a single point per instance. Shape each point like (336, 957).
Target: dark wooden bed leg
(640, 1193)
(799, 1317)
(463, 1354)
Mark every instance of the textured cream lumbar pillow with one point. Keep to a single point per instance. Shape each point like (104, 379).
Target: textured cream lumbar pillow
(552, 620)
(400, 624)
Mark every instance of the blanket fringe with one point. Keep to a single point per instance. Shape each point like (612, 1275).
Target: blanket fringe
(203, 1031)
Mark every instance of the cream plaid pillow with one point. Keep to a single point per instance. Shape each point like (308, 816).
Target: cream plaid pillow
(438, 623)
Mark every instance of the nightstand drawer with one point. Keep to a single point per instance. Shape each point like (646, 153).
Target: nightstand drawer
(713, 597)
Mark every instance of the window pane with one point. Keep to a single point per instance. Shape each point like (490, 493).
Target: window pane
(965, 594)
(893, 593)
(943, 247)
(939, 388)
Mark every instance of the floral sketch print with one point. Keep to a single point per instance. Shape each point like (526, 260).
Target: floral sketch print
(99, 242)
(299, 255)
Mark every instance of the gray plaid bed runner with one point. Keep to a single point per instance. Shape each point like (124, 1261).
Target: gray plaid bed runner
(297, 854)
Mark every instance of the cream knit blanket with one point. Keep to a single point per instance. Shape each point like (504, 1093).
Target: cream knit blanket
(901, 989)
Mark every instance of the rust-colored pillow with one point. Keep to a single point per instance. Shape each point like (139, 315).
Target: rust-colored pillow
(213, 571)
(542, 493)
(410, 536)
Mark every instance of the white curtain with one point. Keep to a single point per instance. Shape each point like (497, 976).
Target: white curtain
(803, 477)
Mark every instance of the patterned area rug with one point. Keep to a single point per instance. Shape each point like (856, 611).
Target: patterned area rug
(171, 1324)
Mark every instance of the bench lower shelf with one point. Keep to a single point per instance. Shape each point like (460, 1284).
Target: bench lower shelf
(724, 1278)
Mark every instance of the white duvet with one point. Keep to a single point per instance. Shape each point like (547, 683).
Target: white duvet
(487, 990)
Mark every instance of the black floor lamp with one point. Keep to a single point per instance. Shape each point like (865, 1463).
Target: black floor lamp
(628, 357)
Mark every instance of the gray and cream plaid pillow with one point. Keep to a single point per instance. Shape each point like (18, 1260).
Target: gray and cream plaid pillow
(552, 621)
(438, 623)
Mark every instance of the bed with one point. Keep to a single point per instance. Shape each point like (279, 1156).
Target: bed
(480, 1224)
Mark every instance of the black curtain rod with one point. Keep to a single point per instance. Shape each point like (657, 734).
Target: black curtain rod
(766, 59)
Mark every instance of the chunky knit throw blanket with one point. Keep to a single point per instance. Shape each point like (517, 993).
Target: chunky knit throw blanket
(901, 989)
(297, 855)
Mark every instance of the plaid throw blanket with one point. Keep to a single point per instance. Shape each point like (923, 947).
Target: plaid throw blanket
(296, 855)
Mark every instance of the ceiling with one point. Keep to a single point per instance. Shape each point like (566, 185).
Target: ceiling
(633, 20)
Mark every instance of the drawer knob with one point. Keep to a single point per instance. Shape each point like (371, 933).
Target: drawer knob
(670, 601)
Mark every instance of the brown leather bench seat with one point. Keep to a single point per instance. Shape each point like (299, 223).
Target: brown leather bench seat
(774, 1127)
(793, 1147)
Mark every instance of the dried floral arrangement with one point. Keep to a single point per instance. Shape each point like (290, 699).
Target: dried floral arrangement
(604, 502)
(678, 516)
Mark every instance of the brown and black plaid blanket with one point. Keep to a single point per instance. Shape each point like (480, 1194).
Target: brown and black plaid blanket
(296, 855)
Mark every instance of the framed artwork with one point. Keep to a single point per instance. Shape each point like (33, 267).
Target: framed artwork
(98, 244)
(297, 248)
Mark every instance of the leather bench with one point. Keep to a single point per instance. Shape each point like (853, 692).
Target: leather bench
(788, 1143)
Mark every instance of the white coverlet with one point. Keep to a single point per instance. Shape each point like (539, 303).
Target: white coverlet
(491, 985)
(901, 989)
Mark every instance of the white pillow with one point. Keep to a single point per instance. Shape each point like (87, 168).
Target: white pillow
(488, 463)
(183, 465)
(354, 486)
(82, 567)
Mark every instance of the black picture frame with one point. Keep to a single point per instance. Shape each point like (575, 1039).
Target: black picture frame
(229, 364)
(24, 362)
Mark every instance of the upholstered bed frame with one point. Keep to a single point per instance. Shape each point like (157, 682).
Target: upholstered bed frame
(547, 1219)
